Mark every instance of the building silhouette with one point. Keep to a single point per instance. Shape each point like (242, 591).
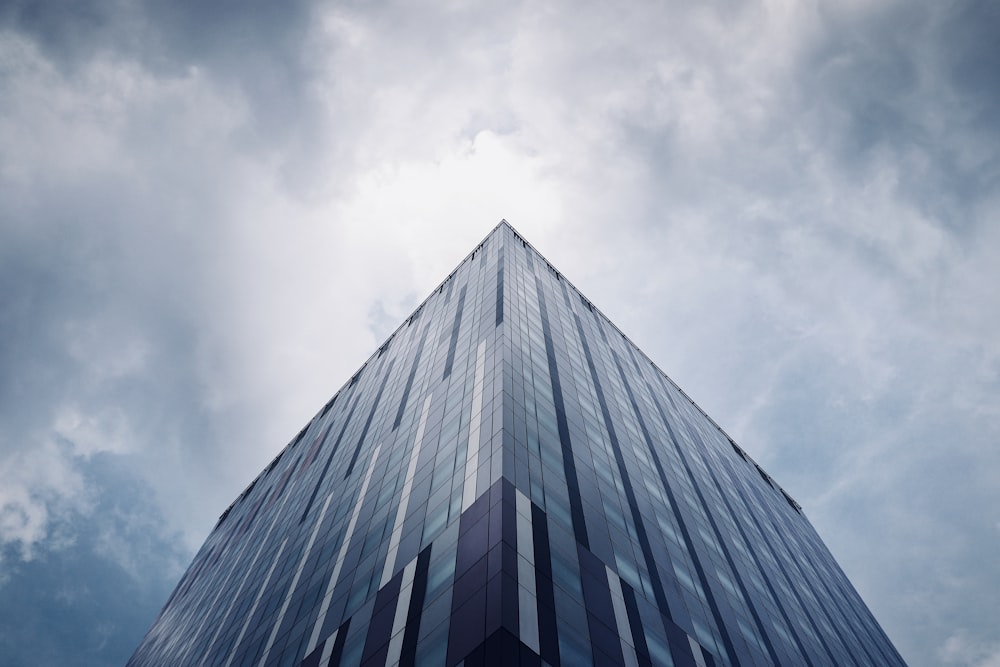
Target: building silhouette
(508, 480)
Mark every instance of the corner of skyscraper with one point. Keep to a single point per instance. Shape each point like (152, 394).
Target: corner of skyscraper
(509, 480)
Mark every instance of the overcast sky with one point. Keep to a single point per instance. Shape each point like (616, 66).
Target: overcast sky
(212, 213)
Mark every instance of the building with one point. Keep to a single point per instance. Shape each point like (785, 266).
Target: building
(509, 480)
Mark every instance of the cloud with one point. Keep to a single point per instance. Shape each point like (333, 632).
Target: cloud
(34, 485)
(960, 649)
(86, 594)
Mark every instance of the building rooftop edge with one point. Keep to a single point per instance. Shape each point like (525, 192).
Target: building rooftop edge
(652, 363)
(374, 355)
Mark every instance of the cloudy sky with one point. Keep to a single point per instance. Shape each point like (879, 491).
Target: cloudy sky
(212, 213)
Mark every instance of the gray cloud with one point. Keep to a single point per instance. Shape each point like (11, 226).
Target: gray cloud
(86, 597)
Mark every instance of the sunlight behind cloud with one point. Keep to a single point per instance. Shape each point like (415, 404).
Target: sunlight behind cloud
(461, 197)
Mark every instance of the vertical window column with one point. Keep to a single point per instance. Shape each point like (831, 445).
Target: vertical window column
(404, 499)
(475, 423)
(345, 543)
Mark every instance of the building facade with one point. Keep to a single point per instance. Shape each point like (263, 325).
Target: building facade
(508, 480)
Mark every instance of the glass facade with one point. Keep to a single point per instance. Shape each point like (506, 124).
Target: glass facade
(509, 480)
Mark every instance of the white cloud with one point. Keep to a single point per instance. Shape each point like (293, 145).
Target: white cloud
(35, 485)
(962, 649)
(90, 433)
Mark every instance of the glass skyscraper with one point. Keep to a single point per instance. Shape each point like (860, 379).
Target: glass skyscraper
(508, 480)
